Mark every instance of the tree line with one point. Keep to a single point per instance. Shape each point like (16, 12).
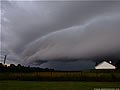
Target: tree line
(20, 68)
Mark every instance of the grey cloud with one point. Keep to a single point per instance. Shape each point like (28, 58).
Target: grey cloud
(95, 38)
(69, 66)
(57, 30)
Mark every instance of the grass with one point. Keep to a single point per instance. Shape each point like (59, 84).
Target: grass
(54, 85)
(61, 76)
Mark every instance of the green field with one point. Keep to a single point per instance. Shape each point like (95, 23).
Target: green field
(85, 80)
(52, 85)
(62, 76)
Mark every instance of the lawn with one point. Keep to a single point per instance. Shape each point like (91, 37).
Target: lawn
(62, 76)
(54, 85)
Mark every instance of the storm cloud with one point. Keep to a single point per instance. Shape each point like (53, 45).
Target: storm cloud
(59, 30)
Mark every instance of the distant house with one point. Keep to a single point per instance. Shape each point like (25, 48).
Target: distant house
(105, 65)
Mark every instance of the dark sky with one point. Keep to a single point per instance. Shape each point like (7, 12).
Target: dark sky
(54, 31)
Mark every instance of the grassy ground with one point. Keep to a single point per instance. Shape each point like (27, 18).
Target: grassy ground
(62, 76)
(52, 85)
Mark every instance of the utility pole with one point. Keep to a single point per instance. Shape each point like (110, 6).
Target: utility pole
(5, 58)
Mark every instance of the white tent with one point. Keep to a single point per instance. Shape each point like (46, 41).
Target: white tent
(105, 65)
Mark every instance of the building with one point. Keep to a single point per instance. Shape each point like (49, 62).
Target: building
(105, 65)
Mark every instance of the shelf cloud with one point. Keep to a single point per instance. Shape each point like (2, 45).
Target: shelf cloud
(53, 30)
(97, 38)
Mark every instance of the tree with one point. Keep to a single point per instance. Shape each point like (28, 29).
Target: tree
(118, 64)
